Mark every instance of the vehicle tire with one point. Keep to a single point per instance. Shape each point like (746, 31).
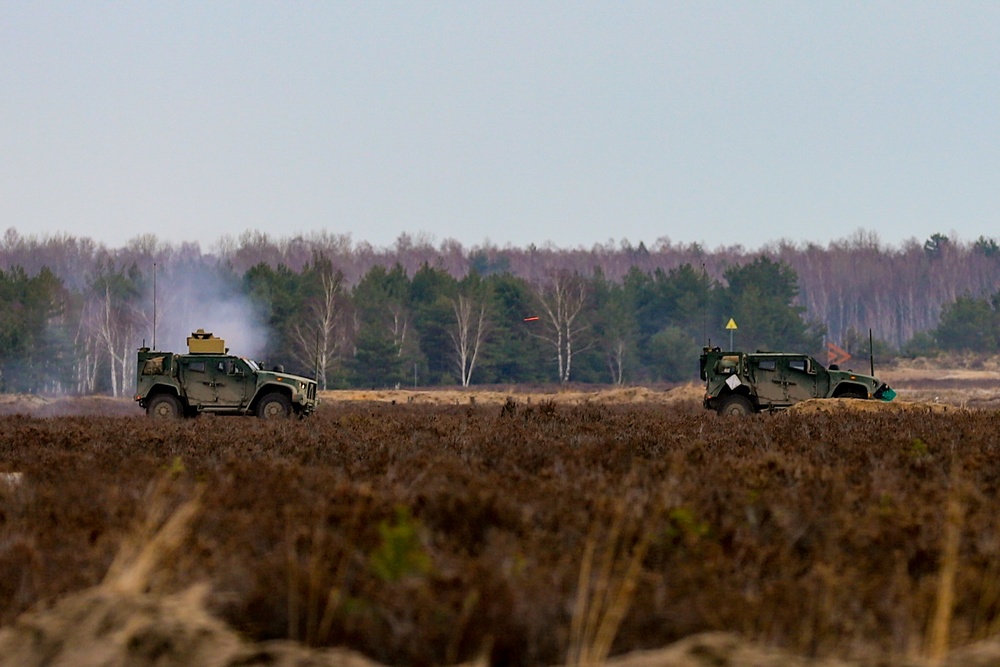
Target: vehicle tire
(735, 405)
(274, 406)
(165, 406)
(852, 394)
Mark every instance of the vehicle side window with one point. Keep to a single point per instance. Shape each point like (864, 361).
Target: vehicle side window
(727, 365)
(153, 366)
(197, 366)
(798, 365)
(767, 364)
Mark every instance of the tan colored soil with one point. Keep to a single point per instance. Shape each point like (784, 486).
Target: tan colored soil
(831, 405)
(919, 386)
(493, 397)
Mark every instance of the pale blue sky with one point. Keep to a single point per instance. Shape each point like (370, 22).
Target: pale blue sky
(517, 122)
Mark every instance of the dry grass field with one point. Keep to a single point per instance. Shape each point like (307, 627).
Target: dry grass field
(507, 527)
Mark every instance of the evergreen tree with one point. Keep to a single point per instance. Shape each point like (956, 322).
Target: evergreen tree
(278, 293)
(969, 324)
(382, 313)
(987, 247)
(760, 297)
(432, 291)
(376, 362)
(515, 355)
(35, 341)
(669, 304)
(673, 355)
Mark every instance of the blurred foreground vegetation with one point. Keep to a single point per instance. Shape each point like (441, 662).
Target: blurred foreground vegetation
(425, 536)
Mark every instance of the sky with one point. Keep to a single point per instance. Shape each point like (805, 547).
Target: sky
(564, 123)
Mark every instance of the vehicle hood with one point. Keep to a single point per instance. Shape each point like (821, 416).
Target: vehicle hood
(284, 378)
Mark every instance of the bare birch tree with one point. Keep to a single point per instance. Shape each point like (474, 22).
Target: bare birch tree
(112, 323)
(615, 355)
(87, 362)
(317, 338)
(561, 299)
(399, 323)
(468, 334)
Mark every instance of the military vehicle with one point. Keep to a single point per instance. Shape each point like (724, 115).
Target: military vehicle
(741, 383)
(209, 379)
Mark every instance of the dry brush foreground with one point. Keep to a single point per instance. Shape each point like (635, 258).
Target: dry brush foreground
(513, 534)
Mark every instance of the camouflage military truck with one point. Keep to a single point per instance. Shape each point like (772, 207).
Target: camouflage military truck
(209, 379)
(740, 383)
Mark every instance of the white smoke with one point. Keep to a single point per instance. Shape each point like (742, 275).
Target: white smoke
(195, 297)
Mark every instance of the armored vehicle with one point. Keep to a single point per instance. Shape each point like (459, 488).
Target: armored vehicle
(209, 379)
(740, 383)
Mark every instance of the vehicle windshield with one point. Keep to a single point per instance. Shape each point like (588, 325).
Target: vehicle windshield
(252, 364)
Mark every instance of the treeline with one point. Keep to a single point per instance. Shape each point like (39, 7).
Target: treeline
(355, 316)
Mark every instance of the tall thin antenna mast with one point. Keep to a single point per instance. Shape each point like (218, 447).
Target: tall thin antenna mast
(704, 308)
(316, 369)
(154, 305)
(871, 351)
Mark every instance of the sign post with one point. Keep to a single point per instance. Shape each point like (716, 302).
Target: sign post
(731, 325)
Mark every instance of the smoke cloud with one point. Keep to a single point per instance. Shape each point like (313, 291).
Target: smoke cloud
(198, 297)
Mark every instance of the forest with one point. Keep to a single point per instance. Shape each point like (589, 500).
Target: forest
(73, 311)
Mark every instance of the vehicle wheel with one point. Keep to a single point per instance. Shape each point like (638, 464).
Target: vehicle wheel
(274, 406)
(852, 394)
(736, 405)
(165, 406)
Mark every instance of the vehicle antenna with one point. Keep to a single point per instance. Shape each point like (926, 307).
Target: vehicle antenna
(704, 307)
(154, 305)
(316, 368)
(871, 351)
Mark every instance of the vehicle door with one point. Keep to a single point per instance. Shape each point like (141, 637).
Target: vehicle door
(197, 377)
(231, 383)
(800, 379)
(768, 376)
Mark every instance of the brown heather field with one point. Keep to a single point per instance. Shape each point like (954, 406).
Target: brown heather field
(424, 528)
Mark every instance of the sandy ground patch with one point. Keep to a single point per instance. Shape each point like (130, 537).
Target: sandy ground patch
(474, 396)
(919, 385)
(64, 406)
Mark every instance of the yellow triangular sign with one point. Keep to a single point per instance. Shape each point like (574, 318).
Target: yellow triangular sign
(732, 324)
